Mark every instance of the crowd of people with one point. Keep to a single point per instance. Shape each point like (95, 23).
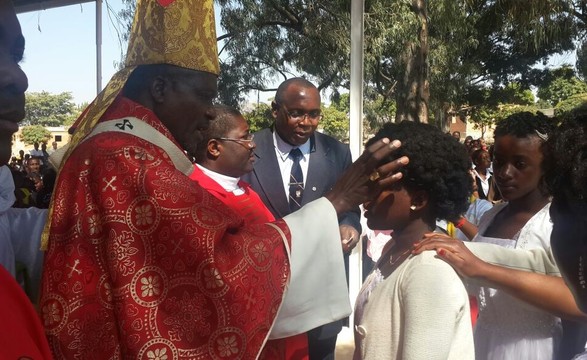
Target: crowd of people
(33, 177)
(172, 231)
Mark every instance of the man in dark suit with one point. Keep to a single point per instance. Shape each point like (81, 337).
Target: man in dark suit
(323, 159)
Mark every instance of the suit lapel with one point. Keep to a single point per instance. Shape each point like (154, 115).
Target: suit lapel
(266, 171)
(319, 165)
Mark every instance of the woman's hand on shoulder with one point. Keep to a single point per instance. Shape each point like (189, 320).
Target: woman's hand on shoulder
(454, 252)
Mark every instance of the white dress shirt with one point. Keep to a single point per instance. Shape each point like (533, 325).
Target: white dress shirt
(282, 149)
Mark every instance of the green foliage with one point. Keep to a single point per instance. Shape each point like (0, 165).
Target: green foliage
(485, 116)
(77, 111)
(572, 102)
(514, 93)
(35, 133)
(581, 63)
(560, 84)
(47, 109)
(341, 102)
(470, 45)
(259, 118)
(378, 110)
(335, 123)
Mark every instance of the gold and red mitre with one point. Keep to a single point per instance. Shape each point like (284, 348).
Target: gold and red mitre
(175, 32)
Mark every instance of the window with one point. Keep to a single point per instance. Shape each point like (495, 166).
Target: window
(58, 138)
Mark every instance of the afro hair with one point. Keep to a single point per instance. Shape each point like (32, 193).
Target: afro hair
(524, 124)
(438, 164)
(565, 159)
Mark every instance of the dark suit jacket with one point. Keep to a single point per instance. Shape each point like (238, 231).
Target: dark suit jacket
(328, 160)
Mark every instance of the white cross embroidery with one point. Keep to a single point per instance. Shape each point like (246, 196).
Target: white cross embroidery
(74, 268)
(109, 184)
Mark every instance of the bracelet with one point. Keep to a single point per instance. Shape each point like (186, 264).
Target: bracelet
(459, 224)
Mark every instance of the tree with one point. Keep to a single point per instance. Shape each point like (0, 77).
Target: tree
(35, 134)
(47, 109)
(377, 109)
(259, 118)
(556, 85)
(567, 105)
(426, 55)
(497, 103)
(335, 123)
(77, 111)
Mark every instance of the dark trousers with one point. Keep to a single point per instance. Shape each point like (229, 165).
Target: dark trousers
(320, 347)
(573, 340)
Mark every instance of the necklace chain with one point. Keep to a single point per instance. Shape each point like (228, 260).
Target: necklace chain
(391, 259)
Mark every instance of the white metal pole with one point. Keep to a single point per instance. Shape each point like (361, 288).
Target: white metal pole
(356, 96)
(98, 46)
(356, 128)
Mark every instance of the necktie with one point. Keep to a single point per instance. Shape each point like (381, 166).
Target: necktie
(296, 181)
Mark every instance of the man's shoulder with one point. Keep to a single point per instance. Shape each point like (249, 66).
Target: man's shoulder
(330, 141)
(114, 144)
(263, 132)
(329, 145)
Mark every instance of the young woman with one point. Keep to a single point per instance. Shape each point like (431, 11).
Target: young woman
(507, 328)
(416, 307)
(565, 166)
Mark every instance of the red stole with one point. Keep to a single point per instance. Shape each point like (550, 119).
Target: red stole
(143, 263)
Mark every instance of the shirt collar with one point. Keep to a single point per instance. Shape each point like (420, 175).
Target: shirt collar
(283, 148)
(228, 183)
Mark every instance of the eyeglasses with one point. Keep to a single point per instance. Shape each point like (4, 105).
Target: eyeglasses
(247, 141)
(296, 115)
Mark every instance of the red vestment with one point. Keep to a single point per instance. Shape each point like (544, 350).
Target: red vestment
(251, 208)
(21, 336)
(143, 263)
(248, 205)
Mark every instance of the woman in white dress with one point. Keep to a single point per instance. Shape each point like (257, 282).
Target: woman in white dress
(507, 328)
(531, 275)
(416, 307)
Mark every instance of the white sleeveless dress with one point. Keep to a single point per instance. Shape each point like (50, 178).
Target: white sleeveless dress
(508, 328)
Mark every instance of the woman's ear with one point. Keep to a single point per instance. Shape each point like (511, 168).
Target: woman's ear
(419, 200)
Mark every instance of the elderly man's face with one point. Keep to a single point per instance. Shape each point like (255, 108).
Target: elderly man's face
(13, 81)
(187, 107)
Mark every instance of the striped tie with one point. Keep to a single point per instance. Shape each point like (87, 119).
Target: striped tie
(296, 181)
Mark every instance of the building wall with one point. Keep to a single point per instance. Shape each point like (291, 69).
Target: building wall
(467, 128)
(59, 134)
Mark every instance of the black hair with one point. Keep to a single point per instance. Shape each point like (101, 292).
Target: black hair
(565, 159)
(279, 95)
(475, 155)
(525, 124)
(438, 164)
(223, 122)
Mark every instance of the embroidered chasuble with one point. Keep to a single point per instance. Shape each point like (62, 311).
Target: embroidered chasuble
(142, 263)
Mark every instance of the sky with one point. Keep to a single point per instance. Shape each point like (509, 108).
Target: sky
(60, 53)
